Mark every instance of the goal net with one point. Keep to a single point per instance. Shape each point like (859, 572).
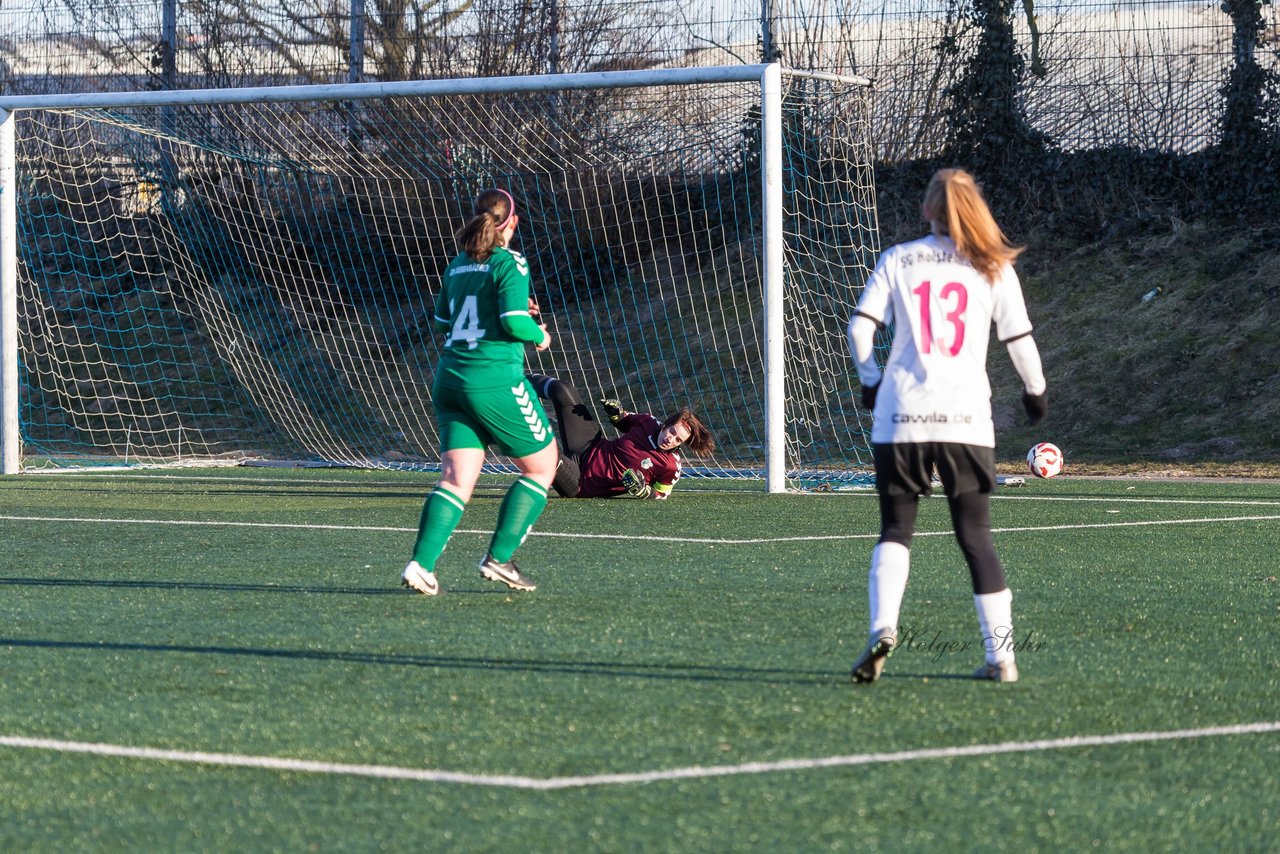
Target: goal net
(250, 274)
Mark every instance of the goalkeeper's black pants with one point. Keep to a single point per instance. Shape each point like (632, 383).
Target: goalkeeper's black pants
(576, 428)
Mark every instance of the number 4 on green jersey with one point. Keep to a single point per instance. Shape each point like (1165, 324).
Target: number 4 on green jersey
(466, 325)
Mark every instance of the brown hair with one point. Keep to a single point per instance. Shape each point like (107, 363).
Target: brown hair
(480, 234)
(700, 441)
(954, 204)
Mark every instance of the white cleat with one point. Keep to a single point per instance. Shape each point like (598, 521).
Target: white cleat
(1005, 671)
(419, 579)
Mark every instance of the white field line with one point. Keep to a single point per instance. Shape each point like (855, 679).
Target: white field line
(391, 772)
(425, 483)
(727, 541)
(859, 494)
(1121, 499)
(867, 493)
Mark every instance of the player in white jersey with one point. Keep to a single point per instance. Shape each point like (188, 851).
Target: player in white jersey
(931, 406)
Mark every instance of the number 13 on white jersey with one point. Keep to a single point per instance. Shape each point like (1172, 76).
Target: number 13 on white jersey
(953, 298)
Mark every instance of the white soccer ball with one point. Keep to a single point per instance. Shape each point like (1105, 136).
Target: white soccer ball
(1044, 460)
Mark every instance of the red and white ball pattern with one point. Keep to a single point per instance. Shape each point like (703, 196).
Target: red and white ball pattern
(1044, 460)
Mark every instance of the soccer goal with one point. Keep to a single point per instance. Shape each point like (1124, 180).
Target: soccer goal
(248, 274)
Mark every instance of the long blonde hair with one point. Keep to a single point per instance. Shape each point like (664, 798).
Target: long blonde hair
(955, 206)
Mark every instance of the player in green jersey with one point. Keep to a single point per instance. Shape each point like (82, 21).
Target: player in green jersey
(481, 396)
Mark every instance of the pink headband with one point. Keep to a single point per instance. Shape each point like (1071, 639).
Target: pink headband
(511, 208)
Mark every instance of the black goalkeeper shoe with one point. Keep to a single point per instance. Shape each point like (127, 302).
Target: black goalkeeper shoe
(541, 384)
(868, 666)
(508, 573)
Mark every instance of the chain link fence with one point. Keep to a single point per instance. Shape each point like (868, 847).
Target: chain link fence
(1142, 74)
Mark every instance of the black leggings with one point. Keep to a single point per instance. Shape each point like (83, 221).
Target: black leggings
(971, 519)
(577, 430)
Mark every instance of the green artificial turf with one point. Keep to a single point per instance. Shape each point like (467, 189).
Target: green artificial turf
(712, 630)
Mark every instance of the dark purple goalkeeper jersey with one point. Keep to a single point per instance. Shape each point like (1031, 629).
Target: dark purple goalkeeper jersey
(636, 448)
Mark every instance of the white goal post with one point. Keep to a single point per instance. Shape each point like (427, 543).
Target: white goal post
(238, 274)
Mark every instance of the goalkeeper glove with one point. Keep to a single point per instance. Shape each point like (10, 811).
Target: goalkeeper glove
(635, 484)
(613, 409)
(869, 396)
(1037, 406)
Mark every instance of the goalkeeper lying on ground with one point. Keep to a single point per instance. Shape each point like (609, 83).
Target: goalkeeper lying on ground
(643, 462)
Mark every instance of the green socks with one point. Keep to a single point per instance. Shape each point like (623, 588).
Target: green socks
(443, 511)
(440, 515)
(520, 509)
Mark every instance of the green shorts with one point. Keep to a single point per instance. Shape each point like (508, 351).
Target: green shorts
(509, 418)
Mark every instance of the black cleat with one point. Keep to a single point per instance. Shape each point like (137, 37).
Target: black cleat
(541, 384)
(508, 573)
(868, 666)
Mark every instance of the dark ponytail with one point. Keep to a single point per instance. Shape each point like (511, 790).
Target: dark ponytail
(479, 235)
